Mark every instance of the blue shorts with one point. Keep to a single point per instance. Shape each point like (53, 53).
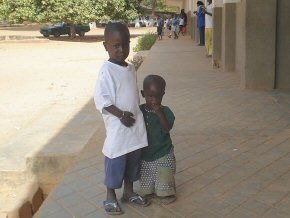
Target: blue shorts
(124, 167)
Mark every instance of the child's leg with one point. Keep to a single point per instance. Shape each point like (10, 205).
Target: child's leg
(175, 34)
(132, 172)
(128, 188)
(132, 175)
(111, 194)
(114, 173)
(165, 182)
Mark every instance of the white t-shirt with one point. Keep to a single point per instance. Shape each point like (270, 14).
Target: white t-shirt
(208, 18)
(117, 85)
(181, 21)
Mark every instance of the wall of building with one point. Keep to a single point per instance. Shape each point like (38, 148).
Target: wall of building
(283, 45)
(251, 37)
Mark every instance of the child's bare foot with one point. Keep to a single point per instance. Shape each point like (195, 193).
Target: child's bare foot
(168, 199)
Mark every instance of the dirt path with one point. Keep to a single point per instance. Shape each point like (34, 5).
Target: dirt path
(37, 75)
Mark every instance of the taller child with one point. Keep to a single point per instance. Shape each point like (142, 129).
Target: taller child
(116, 97)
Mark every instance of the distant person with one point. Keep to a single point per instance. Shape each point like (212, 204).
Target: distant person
(158, 161)
(182, 22)
(208, 28)
(175, 23)
(160, 26)
(169, 25)
(201, 22)
(116, 97)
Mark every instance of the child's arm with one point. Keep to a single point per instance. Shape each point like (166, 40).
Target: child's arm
(163, 120)
(125, 117)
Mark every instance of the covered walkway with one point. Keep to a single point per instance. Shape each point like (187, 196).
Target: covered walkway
(232, 146)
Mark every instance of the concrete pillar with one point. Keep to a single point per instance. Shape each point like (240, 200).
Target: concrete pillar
(189, 26)
(217, 33)
(195, 32)
(241, 39)
(283, 45)
(228, 36)
(258, 67)
(192, 29)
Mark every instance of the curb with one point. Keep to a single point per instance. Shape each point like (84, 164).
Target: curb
(15, 37)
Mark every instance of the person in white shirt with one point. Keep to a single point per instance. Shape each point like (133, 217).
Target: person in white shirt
(182, 22)
(117, 98)
(208, 28)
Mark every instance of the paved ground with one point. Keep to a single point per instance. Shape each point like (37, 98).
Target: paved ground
(232, 146)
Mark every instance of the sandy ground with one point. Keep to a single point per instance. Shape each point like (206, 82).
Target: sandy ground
(38, 74)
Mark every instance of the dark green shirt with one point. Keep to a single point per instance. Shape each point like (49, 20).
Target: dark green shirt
(159, 141)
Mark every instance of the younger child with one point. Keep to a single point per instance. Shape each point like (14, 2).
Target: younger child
(158, 160)
(117, 98)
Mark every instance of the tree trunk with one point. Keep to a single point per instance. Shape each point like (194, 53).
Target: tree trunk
(72, 31)
(154, 2)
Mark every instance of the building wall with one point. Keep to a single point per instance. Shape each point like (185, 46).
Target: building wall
(252, 38)
(283, 45)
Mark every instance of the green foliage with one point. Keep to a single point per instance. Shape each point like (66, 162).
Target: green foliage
(122, 9)
(145, 42)
(159, 3)
(17, 11)
(160, 6)
(70, 11)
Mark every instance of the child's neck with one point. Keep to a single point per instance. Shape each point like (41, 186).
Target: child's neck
(123, 63)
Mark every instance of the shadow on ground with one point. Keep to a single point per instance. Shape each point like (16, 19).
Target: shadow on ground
(87, 38)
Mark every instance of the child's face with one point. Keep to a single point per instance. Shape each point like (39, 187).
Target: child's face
(118, 45)
(153, 95)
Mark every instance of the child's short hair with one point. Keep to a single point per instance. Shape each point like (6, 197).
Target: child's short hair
(199, 3)
(154, 79)
(113, 27)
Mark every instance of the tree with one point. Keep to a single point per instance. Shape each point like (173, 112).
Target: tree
(17, 11)
(154, 4)
(159, 5)
(69, 11)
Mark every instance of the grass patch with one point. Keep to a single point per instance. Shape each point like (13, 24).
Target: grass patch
(145, 42)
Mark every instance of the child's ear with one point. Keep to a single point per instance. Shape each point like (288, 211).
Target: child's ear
(105, 45)
(142, 93)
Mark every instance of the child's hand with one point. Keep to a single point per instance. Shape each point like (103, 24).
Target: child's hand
(157, 108)
(163, 120)
(127, 119)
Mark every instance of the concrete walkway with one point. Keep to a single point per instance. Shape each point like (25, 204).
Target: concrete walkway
(232, 146)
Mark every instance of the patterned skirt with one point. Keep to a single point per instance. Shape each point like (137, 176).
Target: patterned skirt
(158, 176)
